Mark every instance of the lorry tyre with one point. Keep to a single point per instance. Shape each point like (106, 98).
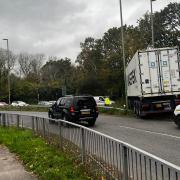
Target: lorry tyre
(139, 112)
(136, 110)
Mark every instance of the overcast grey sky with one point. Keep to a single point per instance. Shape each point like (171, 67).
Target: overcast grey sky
(56, 27)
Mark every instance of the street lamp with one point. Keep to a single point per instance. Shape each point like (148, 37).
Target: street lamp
(123, 51)
(9, 91)
(152, 22)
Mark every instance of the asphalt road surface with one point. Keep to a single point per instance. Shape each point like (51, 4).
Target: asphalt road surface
(158, 135)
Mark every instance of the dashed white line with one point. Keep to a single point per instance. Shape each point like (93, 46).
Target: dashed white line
(151, 132)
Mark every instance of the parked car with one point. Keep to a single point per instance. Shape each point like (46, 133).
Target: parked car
(44, 103)
(52, 102)
(75, 109)
(3, 104)
(19, 103)
(177, 116)
(100, 100)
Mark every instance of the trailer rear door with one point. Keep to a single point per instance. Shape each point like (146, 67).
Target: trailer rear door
(159, 70)
(169, 70)
(149, 71)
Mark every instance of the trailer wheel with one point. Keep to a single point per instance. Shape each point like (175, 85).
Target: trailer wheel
(135, 108)
(139, 112)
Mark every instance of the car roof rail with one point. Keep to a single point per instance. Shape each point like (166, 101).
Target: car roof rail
(70, 95)
(85, 95)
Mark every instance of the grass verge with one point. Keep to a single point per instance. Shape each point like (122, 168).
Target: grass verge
(24, 108)
(45, 161)
(115, 111)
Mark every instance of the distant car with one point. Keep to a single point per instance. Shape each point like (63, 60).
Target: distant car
(100, 100)
(3, 104)
(75, 109)
(52, 102)
(44, 103)
(19, 103)
(177, 116)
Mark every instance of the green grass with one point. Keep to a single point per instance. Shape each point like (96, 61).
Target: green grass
(24, 108)
(45, 161)
(114, 111)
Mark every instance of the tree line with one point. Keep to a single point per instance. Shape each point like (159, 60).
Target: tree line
(98, 68)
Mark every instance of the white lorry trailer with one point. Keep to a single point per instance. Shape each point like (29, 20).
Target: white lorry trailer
(153, 81)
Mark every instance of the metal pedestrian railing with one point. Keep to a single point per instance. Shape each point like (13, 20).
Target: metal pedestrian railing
(103, 156)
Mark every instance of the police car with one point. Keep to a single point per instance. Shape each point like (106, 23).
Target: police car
(100, 101)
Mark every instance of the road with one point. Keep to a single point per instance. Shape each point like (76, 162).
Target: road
(158, 136)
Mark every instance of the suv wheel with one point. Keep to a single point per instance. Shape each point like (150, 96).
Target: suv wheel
(91, 122)
(51, 116)
(66, 118)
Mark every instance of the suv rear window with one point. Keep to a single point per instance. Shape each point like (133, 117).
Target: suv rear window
(68, 101)
(84, 101)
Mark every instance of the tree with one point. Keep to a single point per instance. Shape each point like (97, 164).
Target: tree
(166, 26)
(30, 65)
(25, 63)
(6, 66)
(57, 73)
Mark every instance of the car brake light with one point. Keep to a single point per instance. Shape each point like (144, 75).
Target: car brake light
(72, 109)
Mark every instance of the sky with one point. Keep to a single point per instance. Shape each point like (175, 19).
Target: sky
(56, 27)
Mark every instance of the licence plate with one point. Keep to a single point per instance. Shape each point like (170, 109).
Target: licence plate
(158, 105)
(85, 112)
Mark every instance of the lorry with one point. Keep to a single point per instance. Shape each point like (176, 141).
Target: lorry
(153, 81)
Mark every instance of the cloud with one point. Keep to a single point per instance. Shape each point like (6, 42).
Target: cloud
(56, 27)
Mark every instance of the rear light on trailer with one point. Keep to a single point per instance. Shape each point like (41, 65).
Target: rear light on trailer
(145, 106)
(177, 103)
(72, 109)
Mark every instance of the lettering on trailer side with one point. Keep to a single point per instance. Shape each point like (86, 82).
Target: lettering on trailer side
(132, 77)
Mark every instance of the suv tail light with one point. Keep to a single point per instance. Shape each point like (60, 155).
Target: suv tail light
(145, 107)
(72, 109)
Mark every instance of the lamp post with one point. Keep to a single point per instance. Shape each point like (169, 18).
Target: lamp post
(152, 22)
(9, 88)
(123, 52)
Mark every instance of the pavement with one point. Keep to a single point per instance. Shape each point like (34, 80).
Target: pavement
(11, 168)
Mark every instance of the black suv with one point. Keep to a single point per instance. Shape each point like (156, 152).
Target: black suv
(74, 109)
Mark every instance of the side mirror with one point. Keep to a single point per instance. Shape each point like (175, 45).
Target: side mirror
(55, 104)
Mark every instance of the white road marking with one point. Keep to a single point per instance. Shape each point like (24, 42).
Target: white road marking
(151, 132)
